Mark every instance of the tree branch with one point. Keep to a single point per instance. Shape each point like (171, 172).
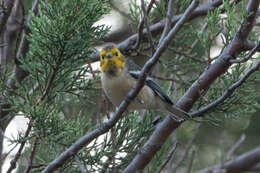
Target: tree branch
(141, 25)
(143, 157)
(234, 147)
(242, 163)
(7, 11)
(255, 168)
(191, 162)
(18, 73)
(145, 18)
(221, 65)
(81, 165)
(170, 156)
(187, 149)
(10, 32)
(252, 52)
(18, 154)
(167, 20)
(29, 166)
(230, 90)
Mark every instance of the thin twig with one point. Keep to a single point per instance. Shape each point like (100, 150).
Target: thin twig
(150, 37)
(255, 168)
(3, 134)
(167, 26)
(191, 161)
(251, 53)
(170, 156)
(114, 149)
(38, 166)
(19, 152)
(234, 147)
(227, 93)
(163, 78)
(242, 163)
(195, 43)
(81, 166)
(187, 149)
(186, 55)
(205, 26)
(141, 26)
(48, 86)
(111, 157)
(91, 69)
(29, 166)
(4, 156)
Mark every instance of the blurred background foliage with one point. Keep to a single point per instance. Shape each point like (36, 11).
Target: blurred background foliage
(65, 34)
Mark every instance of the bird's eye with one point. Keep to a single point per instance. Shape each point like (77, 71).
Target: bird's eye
(103, 57)
(116, 54)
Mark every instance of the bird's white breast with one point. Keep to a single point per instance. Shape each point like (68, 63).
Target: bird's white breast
(117, 87)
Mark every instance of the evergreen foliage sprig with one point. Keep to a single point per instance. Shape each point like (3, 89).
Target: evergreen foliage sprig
(61, 40)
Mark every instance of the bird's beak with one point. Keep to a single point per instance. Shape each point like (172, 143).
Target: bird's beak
(109, 56)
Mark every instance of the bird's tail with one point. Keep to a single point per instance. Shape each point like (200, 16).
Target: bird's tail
(177, 113)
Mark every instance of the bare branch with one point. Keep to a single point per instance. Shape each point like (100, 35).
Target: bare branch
(235, 146)
(141, 25)
(248, 45)
(255, 168)
(4, 156)
(18, 73)
(29, 166)
(252, 52)
(111, 158)
(145, 18)
(187, 149)
(7, 11)
(19, 152)
(242, 163)
(195, 43)
(167, 20)
(170, 156)
(10, 34)
(187, 55)
(191, 161)
(48, 86)
(81, 166)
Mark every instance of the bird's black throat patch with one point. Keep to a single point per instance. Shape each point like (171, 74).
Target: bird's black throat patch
(112, 72)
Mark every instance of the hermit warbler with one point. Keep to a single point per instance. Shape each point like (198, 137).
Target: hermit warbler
(118, 76)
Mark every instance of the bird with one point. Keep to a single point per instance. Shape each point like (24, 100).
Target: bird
(118, 76)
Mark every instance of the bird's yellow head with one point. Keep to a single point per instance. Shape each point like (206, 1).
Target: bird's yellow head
(112, 61)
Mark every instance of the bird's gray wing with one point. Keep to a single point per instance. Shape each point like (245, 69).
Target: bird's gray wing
(132, 66)
(153, 85)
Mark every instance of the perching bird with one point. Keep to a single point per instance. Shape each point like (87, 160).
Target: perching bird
(119, 74)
